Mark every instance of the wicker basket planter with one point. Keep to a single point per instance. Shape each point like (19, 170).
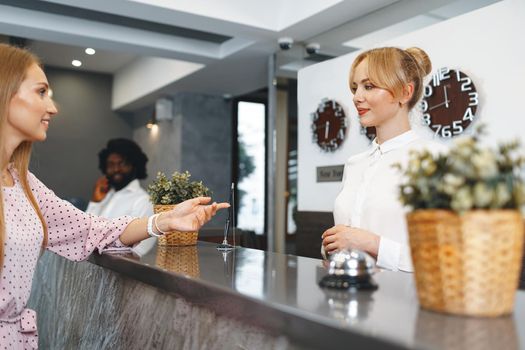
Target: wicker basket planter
(174, 238)
(467, 264)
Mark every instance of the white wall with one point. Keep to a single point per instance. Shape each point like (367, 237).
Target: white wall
(485, 44)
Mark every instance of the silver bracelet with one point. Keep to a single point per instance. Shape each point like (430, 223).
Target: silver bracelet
(150, 226)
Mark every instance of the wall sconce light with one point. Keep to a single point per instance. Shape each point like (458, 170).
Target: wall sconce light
(152, 123)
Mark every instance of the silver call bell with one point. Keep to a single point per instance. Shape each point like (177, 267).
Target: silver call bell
(350, 269)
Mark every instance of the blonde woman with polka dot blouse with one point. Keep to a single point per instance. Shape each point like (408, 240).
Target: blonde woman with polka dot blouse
(32, 217)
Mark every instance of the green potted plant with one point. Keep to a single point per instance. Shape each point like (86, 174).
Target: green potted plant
(465, 226)
(165, 193)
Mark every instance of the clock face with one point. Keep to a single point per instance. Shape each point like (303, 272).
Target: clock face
(369, 132)
(450, 102)
(329, 125)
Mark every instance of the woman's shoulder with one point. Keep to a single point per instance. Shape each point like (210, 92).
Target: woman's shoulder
(32, 179)
(35, 184)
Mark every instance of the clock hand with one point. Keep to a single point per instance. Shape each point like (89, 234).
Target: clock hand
(446, 98)
(326, 129)
(440, 104)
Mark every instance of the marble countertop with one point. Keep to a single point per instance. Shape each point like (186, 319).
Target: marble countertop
(281, 294)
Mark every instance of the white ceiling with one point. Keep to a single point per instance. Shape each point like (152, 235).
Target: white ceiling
(60, 55)
(274, 15)
(233, 65)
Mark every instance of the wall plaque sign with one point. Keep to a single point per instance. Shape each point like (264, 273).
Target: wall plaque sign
(333, 173)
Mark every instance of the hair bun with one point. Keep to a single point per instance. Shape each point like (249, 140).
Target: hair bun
(421, 58)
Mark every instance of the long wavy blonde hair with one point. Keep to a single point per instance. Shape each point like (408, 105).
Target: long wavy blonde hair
(14, 63)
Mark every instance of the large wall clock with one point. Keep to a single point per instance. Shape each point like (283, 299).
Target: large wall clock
(449, 103)
(329, 125)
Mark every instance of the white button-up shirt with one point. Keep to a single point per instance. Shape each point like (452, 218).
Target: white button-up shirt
(131, 200)
(369, 198)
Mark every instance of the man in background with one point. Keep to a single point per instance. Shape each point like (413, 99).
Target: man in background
(118, 192)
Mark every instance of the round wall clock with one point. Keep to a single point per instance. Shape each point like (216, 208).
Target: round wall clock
(449, 102)
(329, 125)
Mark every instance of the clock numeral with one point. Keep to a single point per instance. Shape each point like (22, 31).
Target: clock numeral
(338, 113)
(473, 99)
(435, 80)
(442, 74)
(426, 119)
(334, 104)
(315, 116)
(466, 82)
(468, 115)
(423, 105)
(437, 128)
(446, 132)
(457, 127)
(428, 91)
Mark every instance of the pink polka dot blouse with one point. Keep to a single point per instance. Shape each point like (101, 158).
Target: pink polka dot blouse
(72, 234)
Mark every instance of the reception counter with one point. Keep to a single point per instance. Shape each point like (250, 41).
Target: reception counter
(199, 298)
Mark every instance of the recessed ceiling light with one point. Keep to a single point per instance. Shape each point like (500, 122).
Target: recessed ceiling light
(76, 63)
(90, 51)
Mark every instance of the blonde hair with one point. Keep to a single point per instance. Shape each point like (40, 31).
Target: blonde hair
(14, 63)
(392, 69)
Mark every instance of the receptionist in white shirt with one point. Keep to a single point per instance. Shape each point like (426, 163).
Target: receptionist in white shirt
(386, 84)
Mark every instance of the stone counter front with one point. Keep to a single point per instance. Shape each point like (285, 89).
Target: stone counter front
(198, 298)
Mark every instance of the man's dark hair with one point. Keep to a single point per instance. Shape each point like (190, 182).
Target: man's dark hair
(130, 151)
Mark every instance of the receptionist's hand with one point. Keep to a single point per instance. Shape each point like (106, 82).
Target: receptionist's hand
(346, 237)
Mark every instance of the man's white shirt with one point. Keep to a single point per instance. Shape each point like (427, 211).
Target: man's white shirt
(132, 200)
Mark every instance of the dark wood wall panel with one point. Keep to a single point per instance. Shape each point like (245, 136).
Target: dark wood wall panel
(310, 227)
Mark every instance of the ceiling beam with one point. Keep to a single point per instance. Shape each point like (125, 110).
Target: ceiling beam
(383, 17)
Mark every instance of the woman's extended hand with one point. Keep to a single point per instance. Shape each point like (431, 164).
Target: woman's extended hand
(346, 237)
(189, 215)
